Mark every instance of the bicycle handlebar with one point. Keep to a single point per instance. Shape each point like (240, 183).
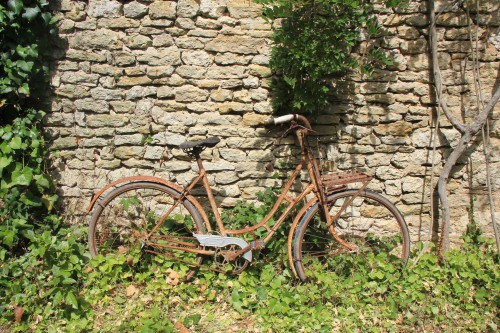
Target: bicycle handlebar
(288, 118)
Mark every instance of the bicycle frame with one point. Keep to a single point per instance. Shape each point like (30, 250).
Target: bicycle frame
(315, 186)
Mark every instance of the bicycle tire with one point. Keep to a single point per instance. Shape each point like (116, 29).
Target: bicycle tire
(120, 219)
(371, 223)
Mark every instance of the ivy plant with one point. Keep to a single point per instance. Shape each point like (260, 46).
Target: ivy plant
(314, 43)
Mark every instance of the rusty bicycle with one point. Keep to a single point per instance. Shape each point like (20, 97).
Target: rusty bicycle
(145, 214)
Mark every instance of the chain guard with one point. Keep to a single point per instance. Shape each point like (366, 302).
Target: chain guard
(223, 241)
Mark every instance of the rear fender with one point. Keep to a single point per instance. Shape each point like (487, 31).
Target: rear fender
(151, 179)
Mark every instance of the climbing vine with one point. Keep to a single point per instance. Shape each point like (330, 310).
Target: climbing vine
(26, 191)
(314, 43)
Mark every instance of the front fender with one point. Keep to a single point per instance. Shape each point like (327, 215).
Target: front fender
(296, 221)
(151, 179)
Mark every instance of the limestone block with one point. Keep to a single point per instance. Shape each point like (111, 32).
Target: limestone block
(165, 92)
(64, 143)
(259, 71)
(106, 120)
(408, 32)
(91, 104)
(135, 9)
(388, 172)
(233, 72)
(159, 71)
(231, 84)
(451, 19)
(126, 140)
(161, 56)
(124, 58)
(72, 91)
(232, 155)
(188, 43)
(189, 93)
(243, 10)
(86, 25)
(393, 187)
(140, 42)
(260, 155)
(413, 184)
(257, 23)
(413, 46)
(80, 77)
(191, 72)
(122, 106)
(213, 8)
(399, 128)
(251, 82)
(104, 8)
(202, 107)
(185, 23)
(235, 44)
(118, 23)
(221, 95)
(99, 39)
(126, 152)
(263, 107)
(154, 152)
(377, 159)
(187, 8)
(140, 92)
(108, 165)
(197, 58)
(234, 107)
(252, 119)
(162, 9)
(163, 40)
(232, 59)
(203, 33)
(106, 94)
(226, 177)
(206, 23)
(417, 20)
(128, 81)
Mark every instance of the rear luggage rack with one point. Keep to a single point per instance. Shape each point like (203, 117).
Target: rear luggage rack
(338, 180)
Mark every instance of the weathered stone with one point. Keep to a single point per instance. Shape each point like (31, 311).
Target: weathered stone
(239, 10)
(191, 72)
(196, 58)
(418, 62)
(64, 143)
(242, 96)
(413, 46)
(221, 95)
(140, 92)
(161, 57)
(160, 71)
(98, 39)
(122, 106)
(190, 93)
(259, 71)
(90, 104)
(235, 44)
(125, 140)
(104, 8)
(185, 23)
(72, 91)
(233, 155)
(263, 107)
(163, 40)
(187, 8)
(135, 9)
(80, 77)
(106, 94)
(104, 120)
(233, 72)
(205, 23)
(163, 9)
(399, 128)
(135, 71)
(203, 33)
(234, 107)
(124, 58)
(117, 23)
(232, 59)
(189, 43)
(138, 42)
(451, 20)
(165, 92)
(201, 107)
(128, 81)
(126, 152)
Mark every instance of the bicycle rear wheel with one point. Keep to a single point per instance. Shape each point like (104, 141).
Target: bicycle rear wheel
(369, 222)
(121, 221)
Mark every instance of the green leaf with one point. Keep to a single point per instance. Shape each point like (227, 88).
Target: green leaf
(4, 162)
(31, 12)
(22, 177)
(49, 201)
(30, 199)
(71, 300)
(16, 143)
(15, 5)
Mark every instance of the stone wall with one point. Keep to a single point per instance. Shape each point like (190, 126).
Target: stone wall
(133, 79)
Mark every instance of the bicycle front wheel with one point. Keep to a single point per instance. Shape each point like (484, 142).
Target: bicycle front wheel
(122, 220)
(368, 222)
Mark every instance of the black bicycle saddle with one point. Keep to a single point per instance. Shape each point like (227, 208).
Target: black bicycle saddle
(206, 143)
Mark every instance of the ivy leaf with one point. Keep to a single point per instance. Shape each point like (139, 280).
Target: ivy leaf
(49, 201)
(22, 177)
(16, 143)
(15, 5)
(4, 162)
(71, 300)
(31, 13)
(30, 199)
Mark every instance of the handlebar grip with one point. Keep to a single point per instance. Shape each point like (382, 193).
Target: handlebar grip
(280, 120)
